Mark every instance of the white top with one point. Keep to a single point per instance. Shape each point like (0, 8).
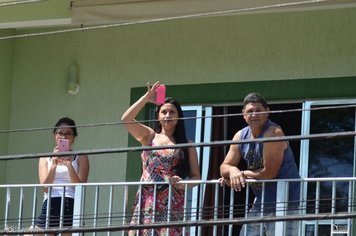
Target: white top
(62, 177)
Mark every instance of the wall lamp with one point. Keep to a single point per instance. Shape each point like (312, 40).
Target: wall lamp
(72, 80)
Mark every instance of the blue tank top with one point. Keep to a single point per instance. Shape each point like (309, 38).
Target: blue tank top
(253, 155)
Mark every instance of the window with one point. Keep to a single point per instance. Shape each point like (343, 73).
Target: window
(327, 157)
(198, 130)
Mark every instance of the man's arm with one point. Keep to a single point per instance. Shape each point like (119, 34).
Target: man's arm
(229, 170)
(273, 153)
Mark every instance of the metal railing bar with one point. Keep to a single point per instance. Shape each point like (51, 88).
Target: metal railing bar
(174, 224)
(111, 197)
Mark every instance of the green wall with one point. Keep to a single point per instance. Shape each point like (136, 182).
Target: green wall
(229, 55)
(265, 47)
(6, 60)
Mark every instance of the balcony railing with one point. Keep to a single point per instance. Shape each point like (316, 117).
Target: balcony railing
(326, 205)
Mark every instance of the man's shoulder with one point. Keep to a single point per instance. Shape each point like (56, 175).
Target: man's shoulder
(237, 135)
(273, 130)
(243, 133)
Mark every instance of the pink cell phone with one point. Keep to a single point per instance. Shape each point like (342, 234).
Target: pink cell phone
(160, 94)
(63, 145)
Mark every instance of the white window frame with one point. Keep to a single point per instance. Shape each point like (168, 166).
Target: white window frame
(202, 160)
(304, 153)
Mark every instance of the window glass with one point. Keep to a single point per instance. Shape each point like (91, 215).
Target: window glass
(330, 157)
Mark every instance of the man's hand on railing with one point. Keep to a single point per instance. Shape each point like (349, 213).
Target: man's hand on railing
(237, 185)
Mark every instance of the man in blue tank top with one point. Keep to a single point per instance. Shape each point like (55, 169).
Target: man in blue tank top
(269, 160)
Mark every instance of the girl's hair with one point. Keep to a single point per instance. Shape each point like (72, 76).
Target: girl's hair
(66, 121)
(179, 136)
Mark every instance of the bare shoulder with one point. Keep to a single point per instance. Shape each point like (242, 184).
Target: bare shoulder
(235, 147)
(43, 160)
(237, 135)
(274, 131)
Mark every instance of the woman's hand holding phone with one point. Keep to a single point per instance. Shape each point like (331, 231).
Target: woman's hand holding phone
(156, 93)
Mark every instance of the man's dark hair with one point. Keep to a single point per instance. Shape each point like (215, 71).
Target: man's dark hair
(255, 97)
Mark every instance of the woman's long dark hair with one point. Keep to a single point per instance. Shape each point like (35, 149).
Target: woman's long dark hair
(179, 136)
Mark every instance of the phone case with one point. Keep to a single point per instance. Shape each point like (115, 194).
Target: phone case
(63, 145)
(160, 94)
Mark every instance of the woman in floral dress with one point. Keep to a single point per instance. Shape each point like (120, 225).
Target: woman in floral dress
(161, 165)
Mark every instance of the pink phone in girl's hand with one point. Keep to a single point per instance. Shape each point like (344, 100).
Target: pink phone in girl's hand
(160, 94)
(63, 145)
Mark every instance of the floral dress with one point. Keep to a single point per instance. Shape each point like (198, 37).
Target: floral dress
(158, 166)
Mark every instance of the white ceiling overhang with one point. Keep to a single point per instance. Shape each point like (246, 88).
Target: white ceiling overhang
(107, 12)
(96, 12)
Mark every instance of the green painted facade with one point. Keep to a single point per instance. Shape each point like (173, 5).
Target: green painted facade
(6, 62)
(277, 52)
